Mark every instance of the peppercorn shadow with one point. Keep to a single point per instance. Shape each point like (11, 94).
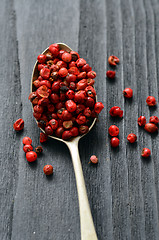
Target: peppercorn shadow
(33, 165)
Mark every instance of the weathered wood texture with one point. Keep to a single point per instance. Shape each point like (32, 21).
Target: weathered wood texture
(123, 189)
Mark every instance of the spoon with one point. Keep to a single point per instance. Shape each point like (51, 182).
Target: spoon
(86, 221)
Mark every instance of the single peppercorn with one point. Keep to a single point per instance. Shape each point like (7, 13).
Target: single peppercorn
(27, 148)
(141, 121)
(146, 152)
(154, 119)
(27, 141)
(116, 112)
(98, 107)
(110, 74)
(48, 169)
(113, 130)
(31, 156)
(128, 92)
(113, 60)
(132, 138)
(39, 149)
(114, 142)
(19, 124)
(151, 101)
(43, 137)
(151, 127)
(41, 58)
(93, 159)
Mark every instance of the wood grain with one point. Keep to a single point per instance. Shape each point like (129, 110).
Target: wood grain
(123, 190)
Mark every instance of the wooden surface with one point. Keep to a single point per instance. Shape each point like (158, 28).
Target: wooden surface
(123, 189)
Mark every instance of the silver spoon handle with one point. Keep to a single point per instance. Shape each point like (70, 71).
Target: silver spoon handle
(87, 226)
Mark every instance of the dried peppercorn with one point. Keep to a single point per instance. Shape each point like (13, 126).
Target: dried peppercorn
(113, 130)
(43, 137)
(39, 149)
(146, 152)
(113, 60)
(110, 74)
(151, 101)
(19, 124)
(114, 142)
(142, 121)
(93, 159)
(27, 141)
(154, 119)
(31, 156)
(27, 148)
(41, 58)
(128, 92)
(132, 137)
(48, 170)
(63, 72)
(98, 107)
(151, 127)
(66, 57)
(66, 135)
(116, 112)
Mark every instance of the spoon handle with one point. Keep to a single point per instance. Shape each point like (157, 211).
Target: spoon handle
(87, 226)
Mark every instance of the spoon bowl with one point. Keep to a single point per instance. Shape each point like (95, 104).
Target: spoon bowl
(86, 222)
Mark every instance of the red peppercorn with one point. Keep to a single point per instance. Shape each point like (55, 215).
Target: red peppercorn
(66, 57)
(40, 66)
(146, 152)
(83, 129)
(86, 68)
(41, 58)
(36, 83)
(61, 64)
(50, 108)
(45, 73)
(27, 148)
(74, 70)
(67, 124)
(98, 107)
(48, 130)
(54, 98)
(113, 60)
(128, 92)
(87, 112)
(81, 119)
(66, 115)
(74, 55)
(63, 72)
(82, 84)
(39, 149)
(93, 159)
(38, 109)
(59, 131)
(37, 115)
(53, 123)
(72, 64)
(48, 170)
(27, 141)
(151, 101)
(43, 102)
(132, 138)
(70, 94)
(46, 83)
(91, 74)
(43, 137)
(111, 74)
(80, 108)
(80, 96)
(142, 121)
(74, 131)
(89, 102)
(54, 50)
(80, 62)
(151, 127)
(71, 105)
(114, 142)
(31, 156)
(19, 124)
(42, 92)
(113, 130)
(81, 75)
(49, 56)
(90, 82)
(116, 112)
(70, 78)
(154, 119)
(66, 135)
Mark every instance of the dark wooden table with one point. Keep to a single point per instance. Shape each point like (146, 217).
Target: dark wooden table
(123, 190)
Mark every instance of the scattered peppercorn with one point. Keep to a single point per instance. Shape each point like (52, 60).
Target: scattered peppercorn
(132, 137)
(31, 156)
(48, 169)
(43, 137)
(27, 141)
(128, 92)
(113, 60)
(39, 149)
(114, 142)
(19, 124)
(110, 74)
(142, 121)
(154, 119)
(27, 148)
(151, 101)
(151, 127)
(116, 112)
(113, 130)
(93, 159)
(146, 152)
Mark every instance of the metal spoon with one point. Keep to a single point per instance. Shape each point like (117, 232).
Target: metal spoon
(86, 222)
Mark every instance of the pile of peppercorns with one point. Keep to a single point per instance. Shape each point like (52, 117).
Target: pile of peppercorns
(116, 111)
(64, 99)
